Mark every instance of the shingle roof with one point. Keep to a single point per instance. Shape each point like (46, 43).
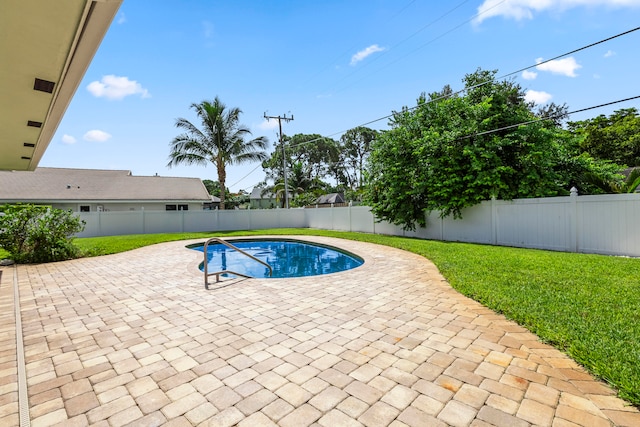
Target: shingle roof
(256, 194)
(330, 198)
(50, 184)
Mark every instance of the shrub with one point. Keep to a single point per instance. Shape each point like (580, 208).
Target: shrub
(38, 233)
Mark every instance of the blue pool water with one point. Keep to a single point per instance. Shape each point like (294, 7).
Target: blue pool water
(287, 258)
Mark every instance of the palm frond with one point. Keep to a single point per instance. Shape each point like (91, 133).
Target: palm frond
(219, 140)
(633, 181)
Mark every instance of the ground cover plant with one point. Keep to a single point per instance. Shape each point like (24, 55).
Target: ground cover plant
(585, 305)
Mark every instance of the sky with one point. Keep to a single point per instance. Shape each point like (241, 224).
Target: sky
(331, 64)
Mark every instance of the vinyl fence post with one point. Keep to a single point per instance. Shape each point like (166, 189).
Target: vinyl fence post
(373, 218)
(494, 221)
(573, 218)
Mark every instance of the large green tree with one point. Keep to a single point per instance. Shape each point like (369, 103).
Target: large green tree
(302, 189)
(314, 153)
(220, 140)
(355, 147)
(454, 151)
(213, 187)
(615, 138)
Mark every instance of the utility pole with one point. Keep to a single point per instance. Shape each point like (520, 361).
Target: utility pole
(284, 160)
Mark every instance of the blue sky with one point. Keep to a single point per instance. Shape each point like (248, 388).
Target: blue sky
(332, 64)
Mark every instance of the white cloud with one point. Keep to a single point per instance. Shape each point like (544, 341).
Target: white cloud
(115, 87)
(207, 29)
(609, 54)
(529, 75)
(537, 97)
(268, 124)
(68, 139)
(121, 18)
(525, 9)
(565, 66)
(96, 136)
(365, 52)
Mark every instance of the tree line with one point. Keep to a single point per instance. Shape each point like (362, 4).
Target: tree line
(317, 165)
(448, 152)
(452, 151)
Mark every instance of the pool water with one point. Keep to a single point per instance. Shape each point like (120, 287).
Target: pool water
(287, 258)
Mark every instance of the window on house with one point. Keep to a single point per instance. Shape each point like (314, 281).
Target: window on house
(170, 207)
(183, 207)
(85, 208)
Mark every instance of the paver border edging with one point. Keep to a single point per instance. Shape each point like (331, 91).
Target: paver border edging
(23, 397)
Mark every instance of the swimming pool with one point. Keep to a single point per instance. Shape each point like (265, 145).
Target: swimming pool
(287, 258)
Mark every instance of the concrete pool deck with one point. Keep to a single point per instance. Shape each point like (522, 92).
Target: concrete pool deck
(135, 339)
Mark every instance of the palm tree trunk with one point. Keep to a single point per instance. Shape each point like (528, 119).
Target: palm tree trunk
(222, 178)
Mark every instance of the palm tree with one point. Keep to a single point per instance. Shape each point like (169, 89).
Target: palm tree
(630, 184)
(220, 141)
(298, 183)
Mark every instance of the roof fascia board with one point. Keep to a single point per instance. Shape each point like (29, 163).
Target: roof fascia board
(96, 20)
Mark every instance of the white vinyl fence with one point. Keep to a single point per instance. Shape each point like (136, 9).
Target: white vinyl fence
(605, 224)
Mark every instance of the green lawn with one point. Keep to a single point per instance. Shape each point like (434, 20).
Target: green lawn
(586, 305)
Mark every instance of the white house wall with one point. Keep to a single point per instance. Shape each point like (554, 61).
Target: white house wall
(120, 207)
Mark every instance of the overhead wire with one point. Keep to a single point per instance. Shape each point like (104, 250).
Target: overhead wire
(430, 41)
(476, 86)
(388, 116)
(377, 58)
(548, 117)
(525, 123)
(350, 49)
(243, 178)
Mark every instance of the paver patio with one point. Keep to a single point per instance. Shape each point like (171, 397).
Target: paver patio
(135, 339)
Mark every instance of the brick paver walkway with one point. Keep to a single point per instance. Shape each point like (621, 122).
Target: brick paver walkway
(135, 339)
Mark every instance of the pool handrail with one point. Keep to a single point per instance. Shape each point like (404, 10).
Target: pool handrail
(218, 273)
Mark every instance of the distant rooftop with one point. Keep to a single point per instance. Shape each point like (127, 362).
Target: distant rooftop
(58, 184)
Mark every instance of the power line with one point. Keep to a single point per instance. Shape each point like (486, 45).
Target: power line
(479, 85)
(373, 60)
(501, 77)
(350, 49)
(528, 122)
(430, 41)
(551, 117)
(284, 161)
(242, 179)
(573, 51)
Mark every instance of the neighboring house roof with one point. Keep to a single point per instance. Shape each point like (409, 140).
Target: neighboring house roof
(256, 194)
(330, 198)
(56, 184)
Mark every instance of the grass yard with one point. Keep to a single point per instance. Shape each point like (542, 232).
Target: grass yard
(585, 305)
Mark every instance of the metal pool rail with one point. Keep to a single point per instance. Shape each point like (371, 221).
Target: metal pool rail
(218, 273)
